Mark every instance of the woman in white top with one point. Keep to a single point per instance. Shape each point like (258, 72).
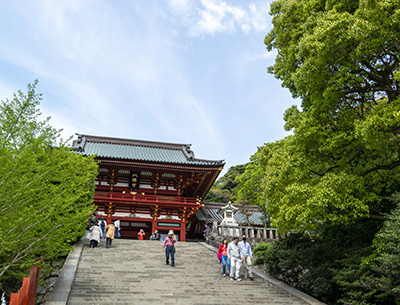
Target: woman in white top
(95, 235)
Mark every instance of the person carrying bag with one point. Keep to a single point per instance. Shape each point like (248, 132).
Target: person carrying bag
(169, 248)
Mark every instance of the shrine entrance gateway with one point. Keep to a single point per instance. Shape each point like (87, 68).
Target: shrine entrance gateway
(148, 185)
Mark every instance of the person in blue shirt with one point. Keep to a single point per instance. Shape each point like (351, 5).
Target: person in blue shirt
(247, 257)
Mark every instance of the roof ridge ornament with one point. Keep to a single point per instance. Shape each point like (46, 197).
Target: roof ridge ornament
(230, 206)
(188, 152)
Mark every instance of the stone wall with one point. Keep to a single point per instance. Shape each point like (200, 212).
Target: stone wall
(49, 274)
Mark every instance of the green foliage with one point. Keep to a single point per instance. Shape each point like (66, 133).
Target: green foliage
(46, 190)
(223, 189)
(377, 279)
(332, 176)
(310, 261)
(249, 184)
(386, 259)
(218, 195)
(342, 59)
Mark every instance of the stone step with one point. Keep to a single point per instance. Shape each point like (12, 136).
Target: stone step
(134, 293)
(134, 272)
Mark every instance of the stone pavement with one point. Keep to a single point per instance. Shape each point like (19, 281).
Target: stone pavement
(134, 272)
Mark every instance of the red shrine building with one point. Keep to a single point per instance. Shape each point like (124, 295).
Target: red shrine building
(148, 185)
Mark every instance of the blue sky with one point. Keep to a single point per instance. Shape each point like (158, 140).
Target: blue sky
(181, 71)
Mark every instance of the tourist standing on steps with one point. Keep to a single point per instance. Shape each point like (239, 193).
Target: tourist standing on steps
(95, 235)
(235, 259)
(247, 260)
(206, 229)
(110, 233)
(155, 235)
(117, 225)
(103, 225)
(93, 220)
(223, 254)
(141, 234)
(169, 247)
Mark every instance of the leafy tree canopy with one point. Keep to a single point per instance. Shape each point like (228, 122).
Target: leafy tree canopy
(328, 183)
(249, 184)
(223, 189)
(46, 191)
(342, 59)
(319, 263)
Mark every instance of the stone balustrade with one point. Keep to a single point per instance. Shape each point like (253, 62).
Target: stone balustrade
(251, 232)
(254, 234)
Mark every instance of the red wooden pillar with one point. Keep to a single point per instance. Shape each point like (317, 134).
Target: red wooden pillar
(183, 231)
(154, 213)
(183, 216)
(154, 225)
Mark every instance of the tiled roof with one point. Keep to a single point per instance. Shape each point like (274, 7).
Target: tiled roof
(211, 211)
(138, 150)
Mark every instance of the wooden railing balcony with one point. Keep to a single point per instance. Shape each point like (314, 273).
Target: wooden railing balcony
(144, 198)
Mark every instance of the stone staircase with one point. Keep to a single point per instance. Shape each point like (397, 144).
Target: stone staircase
(134, 272)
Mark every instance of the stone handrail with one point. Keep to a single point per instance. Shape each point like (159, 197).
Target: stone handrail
(251, 232)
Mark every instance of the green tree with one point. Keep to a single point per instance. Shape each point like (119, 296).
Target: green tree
(329, 181)
(377, 279)
(223, 189)
(249, 184)
(385, 263)
(342, 59)
(319, 262)
(46, 190)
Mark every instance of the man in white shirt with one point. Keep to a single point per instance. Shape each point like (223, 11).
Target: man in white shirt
(234, 257)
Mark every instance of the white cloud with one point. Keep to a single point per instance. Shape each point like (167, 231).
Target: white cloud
(259, 16)
(258, 56)
(124, 69)
(180, 6)
(216, 16)
(114, 53)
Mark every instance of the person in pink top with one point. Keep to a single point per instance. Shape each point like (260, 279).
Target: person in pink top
(169, 247)
(223, 255)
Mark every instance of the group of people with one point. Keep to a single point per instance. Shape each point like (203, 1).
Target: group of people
(154, 236)
(100, 229)
(234, 255)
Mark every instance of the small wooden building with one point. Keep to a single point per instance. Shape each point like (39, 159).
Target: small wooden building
(148, 185)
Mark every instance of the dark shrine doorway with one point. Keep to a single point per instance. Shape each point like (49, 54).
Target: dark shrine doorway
(130, 229)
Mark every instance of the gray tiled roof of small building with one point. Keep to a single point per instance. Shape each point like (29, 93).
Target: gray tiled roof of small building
(208, 211)
(116, 148)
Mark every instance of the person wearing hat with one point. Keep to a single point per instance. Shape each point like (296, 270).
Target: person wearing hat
(169, 247)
